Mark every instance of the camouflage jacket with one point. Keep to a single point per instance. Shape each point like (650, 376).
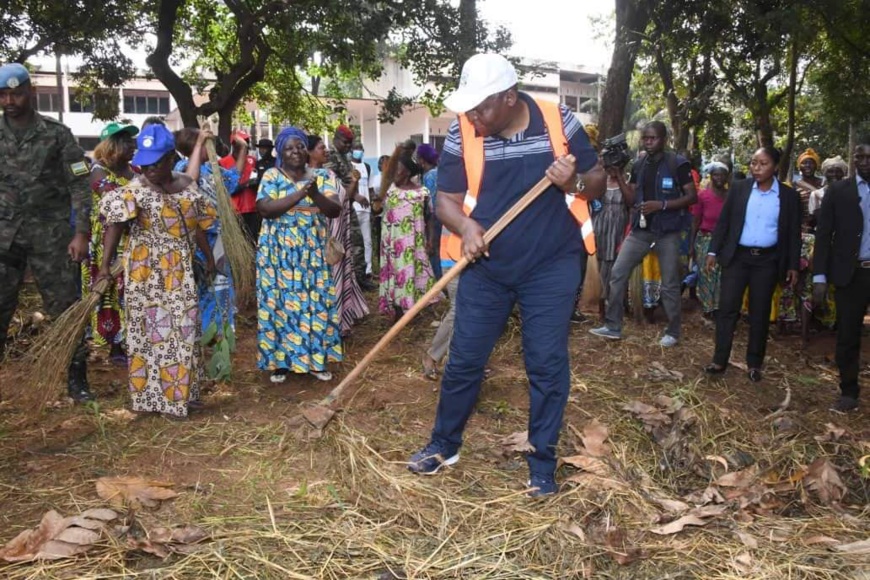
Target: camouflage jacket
(42, 178)
(340, 165)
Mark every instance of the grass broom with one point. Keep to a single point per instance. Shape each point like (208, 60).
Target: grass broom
(51, 353)
(238, 247)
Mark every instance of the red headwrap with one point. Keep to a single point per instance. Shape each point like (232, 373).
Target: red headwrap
(345, 132)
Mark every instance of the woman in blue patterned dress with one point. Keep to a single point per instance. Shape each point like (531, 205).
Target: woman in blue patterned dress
(217, 298)
(298, 322)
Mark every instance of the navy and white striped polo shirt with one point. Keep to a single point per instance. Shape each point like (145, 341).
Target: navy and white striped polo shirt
(546, 229)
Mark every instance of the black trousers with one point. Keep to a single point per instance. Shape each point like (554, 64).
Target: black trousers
(759, 274)
(851, 301)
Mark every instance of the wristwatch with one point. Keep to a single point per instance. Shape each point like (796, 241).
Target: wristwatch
(579, 184)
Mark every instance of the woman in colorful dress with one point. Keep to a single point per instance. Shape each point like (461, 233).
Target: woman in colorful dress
(217, 298)
(298, 322)
(406, 272)
(609, 226)
(111, 170)
(351, 302)
(808, 164)
(706, 214)
(164, 215)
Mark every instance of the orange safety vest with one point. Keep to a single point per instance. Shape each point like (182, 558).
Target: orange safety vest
(474, 157)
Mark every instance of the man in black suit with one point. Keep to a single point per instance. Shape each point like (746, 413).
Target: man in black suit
(842, 258)
(757, 241)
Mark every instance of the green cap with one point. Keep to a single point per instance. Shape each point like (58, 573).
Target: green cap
(115, 128)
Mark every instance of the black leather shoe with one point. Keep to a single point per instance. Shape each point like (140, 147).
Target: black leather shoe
(845, 404)
(755, 375)
(77, 386)
(714, 369)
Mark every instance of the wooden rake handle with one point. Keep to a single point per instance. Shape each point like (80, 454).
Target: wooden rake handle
(439, 286)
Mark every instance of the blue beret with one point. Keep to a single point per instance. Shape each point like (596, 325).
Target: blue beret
(13, 75)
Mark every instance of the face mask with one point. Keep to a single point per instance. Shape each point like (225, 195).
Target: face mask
(356, 154)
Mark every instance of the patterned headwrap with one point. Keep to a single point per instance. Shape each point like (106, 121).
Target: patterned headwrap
(835, 162)
(281, 140)
(593, 134)
(809, 154)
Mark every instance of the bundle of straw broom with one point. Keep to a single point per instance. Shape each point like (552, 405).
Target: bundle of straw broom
(51, 353)
(238, 247)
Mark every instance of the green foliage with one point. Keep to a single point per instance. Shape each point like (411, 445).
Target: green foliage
(94, 30)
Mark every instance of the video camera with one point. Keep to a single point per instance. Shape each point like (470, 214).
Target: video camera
(615, 152)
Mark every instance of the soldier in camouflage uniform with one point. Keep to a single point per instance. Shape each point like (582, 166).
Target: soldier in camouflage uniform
(43, 175)
(340, 164)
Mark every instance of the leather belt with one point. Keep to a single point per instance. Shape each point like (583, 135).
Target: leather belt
(758, 251)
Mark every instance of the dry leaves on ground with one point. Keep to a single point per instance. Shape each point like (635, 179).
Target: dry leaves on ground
(699, 516)
(58, 537)
(617, 545)
(832, 434)
(594, 436)
(517, 443)
(590, 453)
(162, 542)
(658, 373)
(822, 477)
(134, 492)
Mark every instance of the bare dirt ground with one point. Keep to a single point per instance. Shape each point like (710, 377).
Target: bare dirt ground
(668, 474)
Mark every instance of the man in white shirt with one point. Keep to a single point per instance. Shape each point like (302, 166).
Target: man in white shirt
(362, 207)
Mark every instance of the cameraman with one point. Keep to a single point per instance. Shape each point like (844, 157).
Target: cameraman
(662, 189)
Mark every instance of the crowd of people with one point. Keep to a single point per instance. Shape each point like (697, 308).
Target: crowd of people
(327, 229)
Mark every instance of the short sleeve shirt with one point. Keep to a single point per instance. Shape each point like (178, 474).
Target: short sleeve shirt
(546, 230)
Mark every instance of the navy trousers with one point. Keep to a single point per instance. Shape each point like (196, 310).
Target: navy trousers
(546, 299)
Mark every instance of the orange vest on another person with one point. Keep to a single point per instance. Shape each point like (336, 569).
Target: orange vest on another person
(474, 157)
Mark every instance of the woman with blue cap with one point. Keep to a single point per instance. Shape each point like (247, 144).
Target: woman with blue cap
(298, 325)
(111, 169)
(164, 214)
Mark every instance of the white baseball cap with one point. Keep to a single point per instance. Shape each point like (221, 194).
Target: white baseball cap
(482, 75)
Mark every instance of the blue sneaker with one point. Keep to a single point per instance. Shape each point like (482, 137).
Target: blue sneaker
(430, 459)
(542, 485)
(605, 332)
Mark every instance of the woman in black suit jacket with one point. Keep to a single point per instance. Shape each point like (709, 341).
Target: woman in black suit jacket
(757, 241)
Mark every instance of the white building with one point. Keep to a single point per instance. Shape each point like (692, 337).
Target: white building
(139, 98)
(571, 85)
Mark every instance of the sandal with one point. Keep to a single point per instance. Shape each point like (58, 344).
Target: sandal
(279, 375)
(429, 373)
(754, 375)
(321, 375)
(195, 406)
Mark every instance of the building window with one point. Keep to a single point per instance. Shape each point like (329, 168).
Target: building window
(85, 103)
(47, 102)
(570, 101)
(145, 103)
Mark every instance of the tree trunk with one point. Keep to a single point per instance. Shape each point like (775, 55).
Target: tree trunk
(58, 75)
(632, 18)
(467, 31)
(785, 162)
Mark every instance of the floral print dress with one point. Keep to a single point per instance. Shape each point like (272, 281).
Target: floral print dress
(107, 320)
(406, 273)
(297, 314)
(161, 300)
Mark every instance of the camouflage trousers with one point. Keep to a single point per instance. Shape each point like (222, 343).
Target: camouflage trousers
(56, 277)
(357, 247)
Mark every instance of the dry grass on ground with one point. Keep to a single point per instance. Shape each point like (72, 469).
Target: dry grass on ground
(279, 502)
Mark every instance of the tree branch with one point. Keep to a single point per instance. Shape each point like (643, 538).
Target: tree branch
(158, 60)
